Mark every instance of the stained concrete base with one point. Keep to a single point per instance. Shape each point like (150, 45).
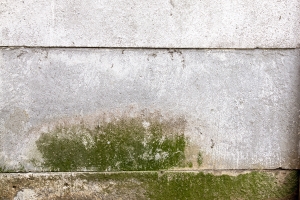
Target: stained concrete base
(229, 184)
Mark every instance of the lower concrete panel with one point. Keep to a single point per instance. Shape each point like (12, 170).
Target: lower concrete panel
(237, 109)
(276, 184)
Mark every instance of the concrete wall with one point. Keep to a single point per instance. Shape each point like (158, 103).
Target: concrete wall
(149, 86)
(241, 107)
(141, 23)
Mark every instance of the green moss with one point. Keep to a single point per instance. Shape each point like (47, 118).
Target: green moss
(125, 145)
(20, 168)
(2, 169)
(199, 159)
(184, 185)
(189, 164)
(255, 185)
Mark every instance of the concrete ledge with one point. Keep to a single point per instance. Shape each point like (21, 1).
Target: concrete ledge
(276, 184)
(140, 23)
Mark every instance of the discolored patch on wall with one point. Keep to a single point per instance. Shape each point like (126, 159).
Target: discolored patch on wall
(120, 144)
(25, 194)
(16, 120)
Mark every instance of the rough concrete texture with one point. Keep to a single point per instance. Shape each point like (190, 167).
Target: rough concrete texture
(160, 23)
(237, 109)
(276, 184)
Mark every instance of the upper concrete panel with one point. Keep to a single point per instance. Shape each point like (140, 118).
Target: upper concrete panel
(160, 23)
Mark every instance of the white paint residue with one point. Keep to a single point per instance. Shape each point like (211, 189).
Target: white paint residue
(157, 156)
(25, 194)
(146, 124)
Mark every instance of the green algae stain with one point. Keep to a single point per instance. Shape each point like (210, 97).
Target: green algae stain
(126, 145)
(254, 185)
(19, 168)
(186, 185)
(3, 169)
(199, 159)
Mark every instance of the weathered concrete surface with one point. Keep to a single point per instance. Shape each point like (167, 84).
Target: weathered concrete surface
(240, 108)
(160, 23)
(276, 184)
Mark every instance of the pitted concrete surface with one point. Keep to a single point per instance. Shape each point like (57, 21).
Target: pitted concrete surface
(241, 107)
(275, 184)
(160, 23)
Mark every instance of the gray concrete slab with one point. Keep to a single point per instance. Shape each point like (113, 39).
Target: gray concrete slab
(239, 109)
(161, 23)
